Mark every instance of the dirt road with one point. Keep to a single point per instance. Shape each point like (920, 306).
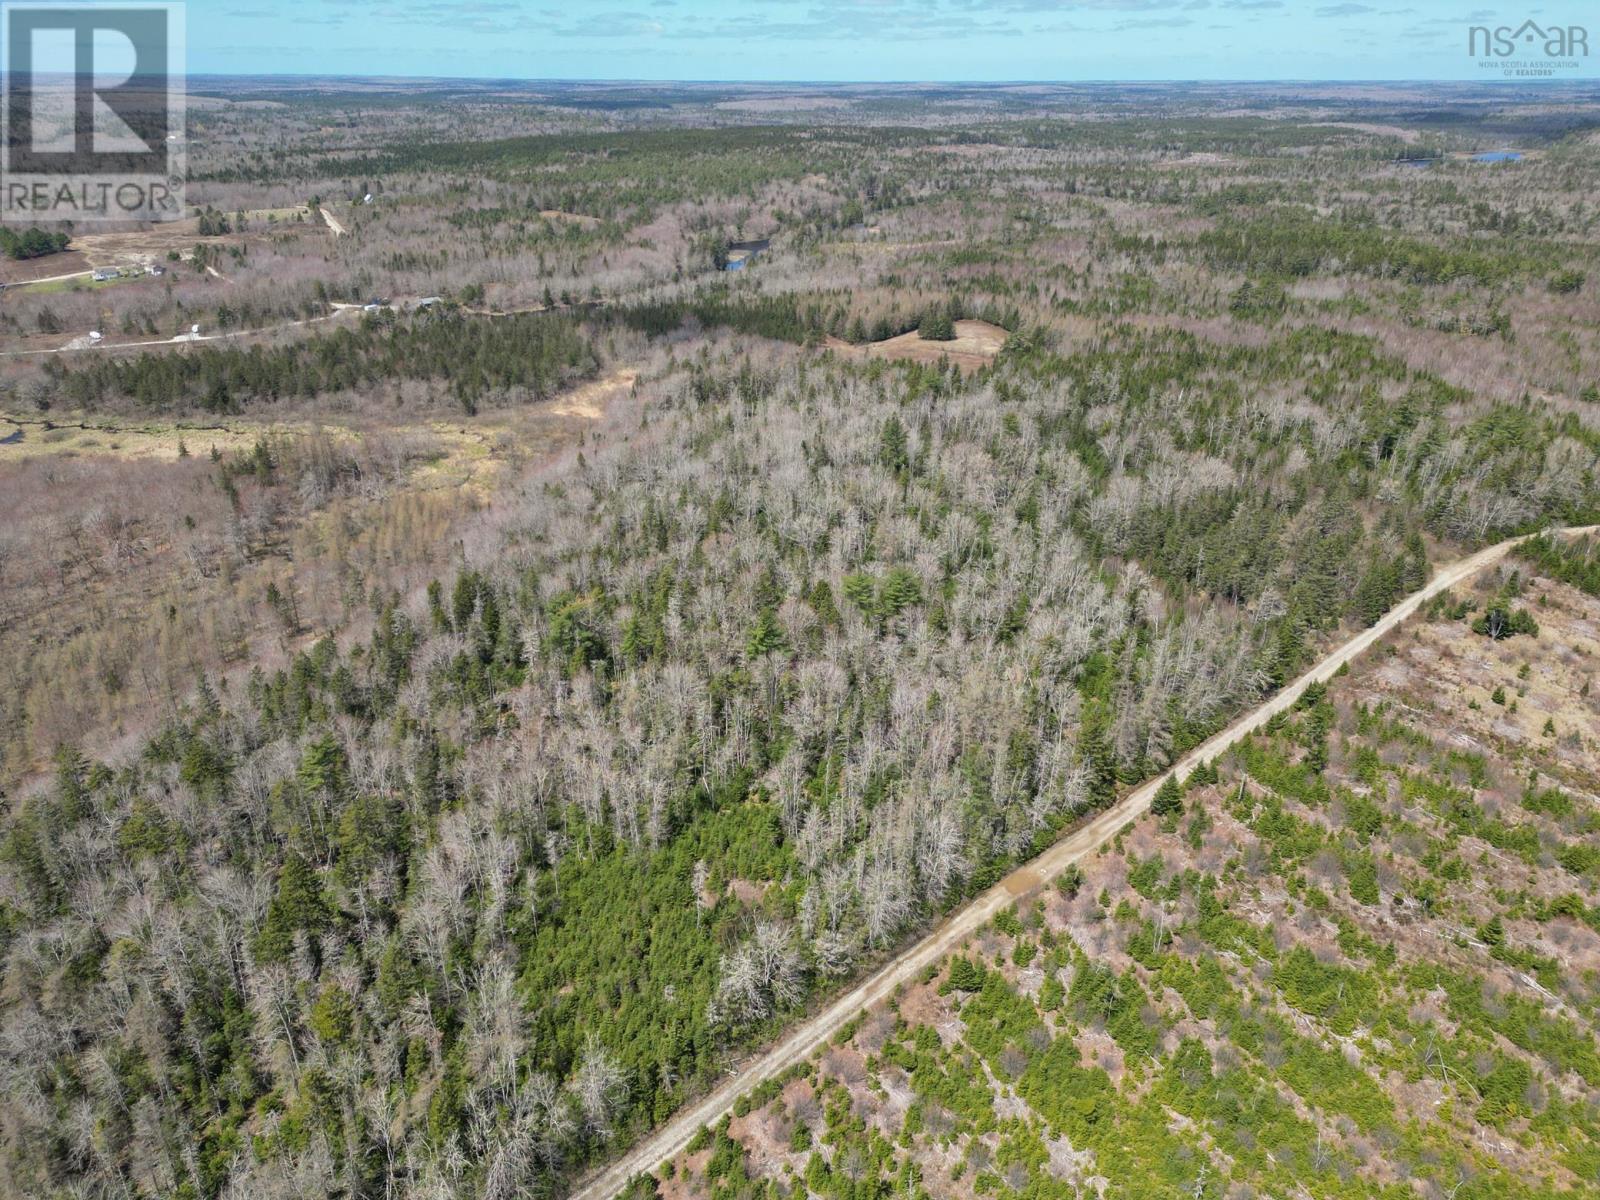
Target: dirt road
(83, 345)
(25, 283)
(334, 223)
(815, 1031)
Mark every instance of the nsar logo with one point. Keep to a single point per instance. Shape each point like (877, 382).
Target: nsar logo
(1529, 50)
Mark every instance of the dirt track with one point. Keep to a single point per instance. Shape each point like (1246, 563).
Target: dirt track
(816, 1030)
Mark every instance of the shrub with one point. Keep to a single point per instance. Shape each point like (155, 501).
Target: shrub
(1499, 622)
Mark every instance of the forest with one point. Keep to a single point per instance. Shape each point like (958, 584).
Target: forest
(510, 667)
(754, 735)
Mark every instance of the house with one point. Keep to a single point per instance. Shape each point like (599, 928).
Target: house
(106, 274)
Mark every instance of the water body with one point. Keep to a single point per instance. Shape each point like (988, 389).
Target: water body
(1497, 156)
(740, 253)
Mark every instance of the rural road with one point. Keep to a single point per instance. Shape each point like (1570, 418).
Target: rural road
(80, 346)
(815, 1031)
(22, 283)
(333, 223)
(183, 339)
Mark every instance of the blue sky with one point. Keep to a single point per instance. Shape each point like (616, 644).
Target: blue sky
(855, 39)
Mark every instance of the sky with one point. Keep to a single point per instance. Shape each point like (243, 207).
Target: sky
(860, 40)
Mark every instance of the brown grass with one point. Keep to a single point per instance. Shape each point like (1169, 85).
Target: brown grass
(66, 263)
(976, 344)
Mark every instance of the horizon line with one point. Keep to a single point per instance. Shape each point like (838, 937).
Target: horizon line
(624, 81)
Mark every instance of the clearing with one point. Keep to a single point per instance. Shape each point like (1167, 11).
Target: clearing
(555, 214)
(143, 246)
(975, 345)
(139, 248)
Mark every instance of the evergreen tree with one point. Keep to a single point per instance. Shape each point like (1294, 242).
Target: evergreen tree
(893, 450)
(766, 636)
(298, 905)
(936, 326)
(1168, 801)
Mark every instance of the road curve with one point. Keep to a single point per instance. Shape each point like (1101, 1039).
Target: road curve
(816, 1030)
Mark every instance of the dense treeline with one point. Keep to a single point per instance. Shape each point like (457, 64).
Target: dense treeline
(1572, 561)
(1292, 242)
(806, 319)
(526, 356)
(612, 175)
(32, 243)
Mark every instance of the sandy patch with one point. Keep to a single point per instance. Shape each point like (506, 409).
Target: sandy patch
(747, 893)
